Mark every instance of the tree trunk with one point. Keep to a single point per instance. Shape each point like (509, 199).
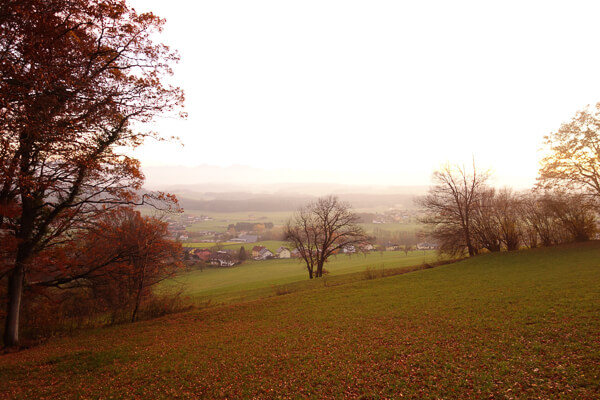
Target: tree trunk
(13, 308)
(319, 269)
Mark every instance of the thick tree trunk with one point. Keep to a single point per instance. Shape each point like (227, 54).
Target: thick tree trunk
(13, 308)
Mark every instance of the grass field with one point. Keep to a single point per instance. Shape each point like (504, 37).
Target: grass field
(509, 325)
(220, 221)
(255, 279)
(272, 245)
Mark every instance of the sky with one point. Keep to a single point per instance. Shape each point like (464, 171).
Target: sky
(372, 92)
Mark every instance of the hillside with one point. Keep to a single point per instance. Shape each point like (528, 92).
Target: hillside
(508, 325)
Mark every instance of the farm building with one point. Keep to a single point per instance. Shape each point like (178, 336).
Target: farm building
(283, 252)
(222, 259)
(264, 254)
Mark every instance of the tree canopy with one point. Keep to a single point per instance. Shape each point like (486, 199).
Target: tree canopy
(573, 154)
(75, 76)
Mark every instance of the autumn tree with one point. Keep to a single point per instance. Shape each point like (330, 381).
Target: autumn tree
(450, 207)
(142, 257)
(320, 229)
(75, 76)
(573, 159)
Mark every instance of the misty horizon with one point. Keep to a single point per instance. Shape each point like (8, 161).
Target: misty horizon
(213, 178)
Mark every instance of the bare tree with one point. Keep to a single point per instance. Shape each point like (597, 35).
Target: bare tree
(320, 229)
(575, 213)
(450, 207)
(541, 226)
(486, 229)
(508, 216)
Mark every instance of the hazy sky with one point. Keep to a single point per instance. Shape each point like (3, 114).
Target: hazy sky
(375, 91)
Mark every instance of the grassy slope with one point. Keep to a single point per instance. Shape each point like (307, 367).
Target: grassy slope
(519, 325)
(255, 279)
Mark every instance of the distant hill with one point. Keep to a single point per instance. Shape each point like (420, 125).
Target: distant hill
(239, 188)
(246, 201)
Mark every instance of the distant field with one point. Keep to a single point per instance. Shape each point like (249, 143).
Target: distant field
(393, 227)
(241, 281)
(272, 245)
(521, 325)
(220, 221)
(207, 245)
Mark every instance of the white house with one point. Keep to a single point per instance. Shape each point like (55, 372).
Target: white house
(264, 254)
(283, 252)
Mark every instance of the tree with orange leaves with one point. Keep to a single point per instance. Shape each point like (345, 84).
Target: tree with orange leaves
(572, 161)
(74, 76)
(122, 258)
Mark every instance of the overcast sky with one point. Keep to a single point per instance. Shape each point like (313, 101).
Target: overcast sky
(375, 91)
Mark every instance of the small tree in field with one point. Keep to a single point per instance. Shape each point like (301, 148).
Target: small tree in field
(320, 229)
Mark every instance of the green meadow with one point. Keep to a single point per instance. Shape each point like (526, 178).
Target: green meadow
(520, 325)
(255, 279)
(272, 245)
(220, 221)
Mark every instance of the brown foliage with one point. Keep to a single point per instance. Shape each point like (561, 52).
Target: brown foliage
(105, 275)
(75, 75)
(573, 154)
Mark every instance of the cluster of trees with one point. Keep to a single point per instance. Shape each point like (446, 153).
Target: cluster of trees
(76, 76)
(104, 273)
(466, 215)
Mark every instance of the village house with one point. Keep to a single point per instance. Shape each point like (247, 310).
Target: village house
(256, 251)
(392, 246)
(350, 249)
(367, 247)
(245, 239)
(426, 246)
(222, 259)
(201, 254)
(265, 254)
(283, 252)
